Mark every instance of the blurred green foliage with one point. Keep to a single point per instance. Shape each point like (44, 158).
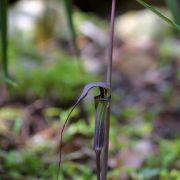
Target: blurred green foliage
(22, 163)
(26, 164)
(163, 166)
(58, 79)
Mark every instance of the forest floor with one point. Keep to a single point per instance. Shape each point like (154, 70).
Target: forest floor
(145, 121)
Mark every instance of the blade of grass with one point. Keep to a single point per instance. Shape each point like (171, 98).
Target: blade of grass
(174, 7)
(8, 81)
(157, 12)
(69, 13)
(4, 43)
(68, 4)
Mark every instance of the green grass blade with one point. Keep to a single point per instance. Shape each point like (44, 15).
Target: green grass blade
(69, 13)
(3, 29)
(174, 6)
(8, 81)
(153, 9)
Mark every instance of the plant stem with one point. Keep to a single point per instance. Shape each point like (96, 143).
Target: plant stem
(109, 79)
(3, 22)
(98, 164)
(111, 41)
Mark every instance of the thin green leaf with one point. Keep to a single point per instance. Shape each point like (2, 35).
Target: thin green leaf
(153, 9)
(8, 81)
(174, 6)
(3, 28)
(69, 13)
